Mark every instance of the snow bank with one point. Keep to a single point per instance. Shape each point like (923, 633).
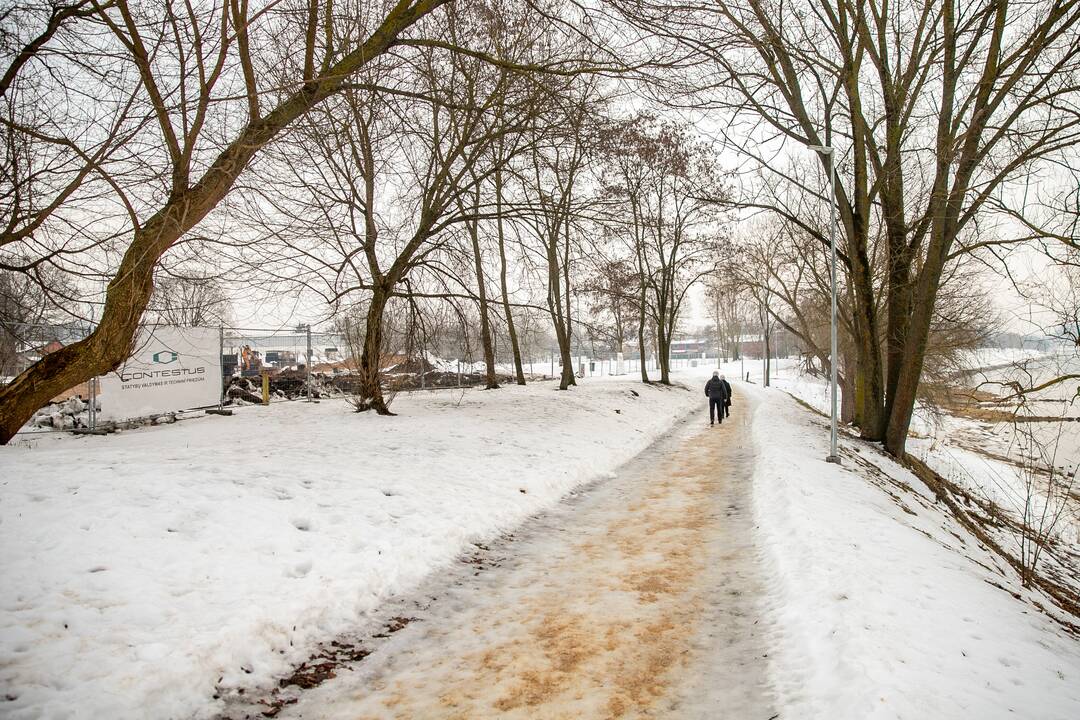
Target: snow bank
(144, 569)
(878, 607)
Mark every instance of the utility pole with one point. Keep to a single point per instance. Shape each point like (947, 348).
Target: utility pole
(307, 330)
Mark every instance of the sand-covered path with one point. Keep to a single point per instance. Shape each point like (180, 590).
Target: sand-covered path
(634, 598)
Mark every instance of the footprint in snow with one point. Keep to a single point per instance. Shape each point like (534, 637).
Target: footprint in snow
(301, 524)
(299, 570)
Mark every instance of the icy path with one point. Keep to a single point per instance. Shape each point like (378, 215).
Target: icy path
(635, 598)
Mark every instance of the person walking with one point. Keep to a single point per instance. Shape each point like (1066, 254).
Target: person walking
(718, 393)
(727, 391)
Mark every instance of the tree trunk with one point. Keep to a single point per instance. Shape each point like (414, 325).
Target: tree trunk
(491, 379)
(898, 301)
(663, 347)
(104, 349)
(903, 405)
(918, 335)
(567, 378)
(664, 331)
(641, 338)
(847, 390)
(511, 329)
(566, 289)
(768, 357)
(847, 400)
(555, 307)
(371, 397)
(869, 408)
(869, 375)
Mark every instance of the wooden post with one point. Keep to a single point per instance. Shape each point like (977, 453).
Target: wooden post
(266, 387)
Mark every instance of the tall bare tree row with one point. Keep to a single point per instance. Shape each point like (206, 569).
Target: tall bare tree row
(665, 197)
(126, 126)
(936, 112)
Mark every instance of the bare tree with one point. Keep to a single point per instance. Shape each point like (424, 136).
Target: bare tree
(553, 182)
(610, 285)
(386, 190)
(624, 180)
(1054, 293)
(27, 310)
(781, 260)
(1048, 493)
(173, 74)
(504, 286)
(934, 111)
(720, 297)
(667, 177)
(190, 301)
(487, 342)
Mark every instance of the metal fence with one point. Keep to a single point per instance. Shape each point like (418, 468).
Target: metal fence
(288, 353)
(246, 351)
(603, 364)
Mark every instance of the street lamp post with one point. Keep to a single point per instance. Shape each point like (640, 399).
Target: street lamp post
(827, 151)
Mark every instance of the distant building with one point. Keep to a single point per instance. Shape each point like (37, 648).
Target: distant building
(781, 344)
(279, 358)
(695, 348)
(337, 367)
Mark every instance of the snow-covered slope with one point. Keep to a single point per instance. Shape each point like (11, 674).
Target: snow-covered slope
(142, 570)
(882, 606)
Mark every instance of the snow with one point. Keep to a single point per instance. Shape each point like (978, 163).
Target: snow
(988, 459)
(1058, 400)
(561, 621)
(882, 612)
(814, 390)
(144, 570)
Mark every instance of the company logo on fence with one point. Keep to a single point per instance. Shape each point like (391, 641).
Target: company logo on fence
(161, 357)
(172, 369)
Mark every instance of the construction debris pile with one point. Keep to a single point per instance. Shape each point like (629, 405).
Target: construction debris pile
(66, 415)
(287, 385)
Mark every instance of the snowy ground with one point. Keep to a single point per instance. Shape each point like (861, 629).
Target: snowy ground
(147, 571)
(635, 598)
(884, 607)
(144, 570)
(983, 454)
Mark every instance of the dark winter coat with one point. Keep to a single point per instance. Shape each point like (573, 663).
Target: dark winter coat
(717, 389)
(727, 389)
